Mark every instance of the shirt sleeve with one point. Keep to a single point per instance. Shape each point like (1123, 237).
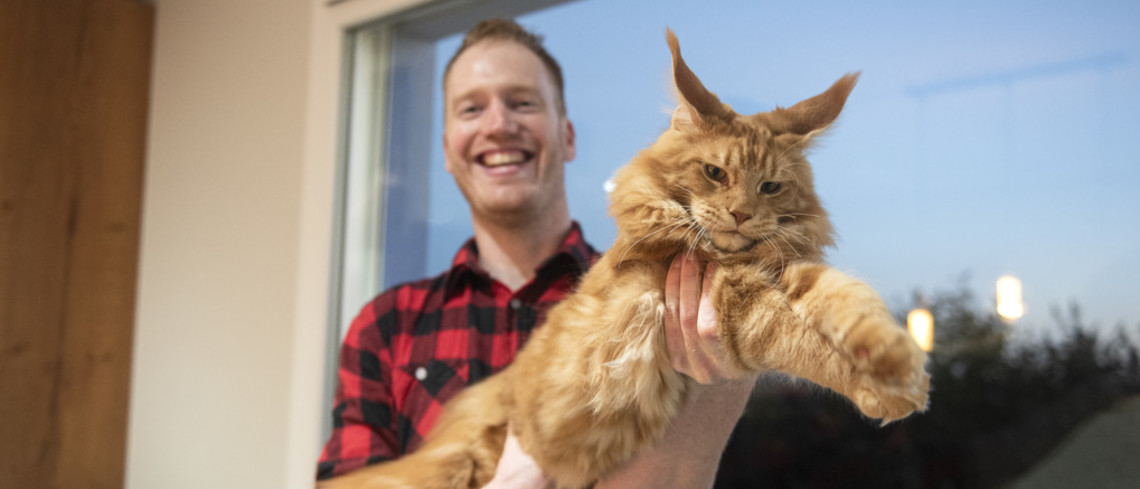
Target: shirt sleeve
(364, 430)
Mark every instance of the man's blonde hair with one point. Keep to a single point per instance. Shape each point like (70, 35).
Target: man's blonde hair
(509, 30)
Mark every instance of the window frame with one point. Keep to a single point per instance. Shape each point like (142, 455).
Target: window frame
(382, 182)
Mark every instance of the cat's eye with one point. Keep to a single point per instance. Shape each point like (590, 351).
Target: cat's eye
(769, 188)
(715, 173)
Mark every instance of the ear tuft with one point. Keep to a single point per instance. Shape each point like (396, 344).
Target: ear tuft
(698, 106)
(813, 115)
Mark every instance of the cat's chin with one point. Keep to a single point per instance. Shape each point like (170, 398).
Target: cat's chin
(731, 241)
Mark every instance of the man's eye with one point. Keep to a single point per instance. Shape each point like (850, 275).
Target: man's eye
(715, 173)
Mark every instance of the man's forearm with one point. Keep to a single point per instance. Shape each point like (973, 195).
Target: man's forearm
(688, 455)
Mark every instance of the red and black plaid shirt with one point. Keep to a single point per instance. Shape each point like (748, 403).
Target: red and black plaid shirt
(418, 344)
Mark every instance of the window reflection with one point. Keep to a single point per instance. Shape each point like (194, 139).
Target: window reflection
(982, 138)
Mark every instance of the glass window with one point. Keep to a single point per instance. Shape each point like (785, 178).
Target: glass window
(383, 185)
(985, 139)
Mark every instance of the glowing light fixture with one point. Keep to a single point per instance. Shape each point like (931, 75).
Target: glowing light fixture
(1009, 305)
(920, 324)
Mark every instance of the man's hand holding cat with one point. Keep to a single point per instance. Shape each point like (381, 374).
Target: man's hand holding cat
(691, 324)
(517, 470)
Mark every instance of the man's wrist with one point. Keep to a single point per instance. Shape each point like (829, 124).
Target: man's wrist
(734, 392)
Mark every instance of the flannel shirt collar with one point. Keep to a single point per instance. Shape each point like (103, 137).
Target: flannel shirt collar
(574, 251)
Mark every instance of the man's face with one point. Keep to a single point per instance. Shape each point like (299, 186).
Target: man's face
(504, 141)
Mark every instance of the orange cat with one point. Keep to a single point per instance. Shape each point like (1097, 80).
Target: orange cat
(594, 386)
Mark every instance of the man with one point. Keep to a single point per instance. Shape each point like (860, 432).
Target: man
(506, 142)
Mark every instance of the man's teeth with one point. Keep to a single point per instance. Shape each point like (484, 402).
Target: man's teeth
(499, 159)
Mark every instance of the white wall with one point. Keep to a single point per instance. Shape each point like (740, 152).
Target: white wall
(230, 326)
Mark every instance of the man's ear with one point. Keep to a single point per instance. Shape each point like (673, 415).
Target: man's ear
(446, 154)
(570, 150)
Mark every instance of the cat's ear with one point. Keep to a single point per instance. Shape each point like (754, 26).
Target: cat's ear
(810, 117)
(697, 107)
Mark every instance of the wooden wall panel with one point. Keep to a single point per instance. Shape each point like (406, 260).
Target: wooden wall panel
(74, 84)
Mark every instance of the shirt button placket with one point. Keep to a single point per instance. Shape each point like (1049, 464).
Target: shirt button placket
(514, 305)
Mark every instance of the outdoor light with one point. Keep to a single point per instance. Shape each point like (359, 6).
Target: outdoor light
(1009, 304)
(920, 324)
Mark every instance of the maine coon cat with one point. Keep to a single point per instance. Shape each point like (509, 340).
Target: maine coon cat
(594, 385)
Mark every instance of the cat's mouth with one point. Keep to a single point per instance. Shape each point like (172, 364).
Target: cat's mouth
(492, 159)
(733, 241)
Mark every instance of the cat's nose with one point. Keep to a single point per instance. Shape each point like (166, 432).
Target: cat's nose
(740, 217)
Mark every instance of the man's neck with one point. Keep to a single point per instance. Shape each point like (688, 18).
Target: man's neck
(512, 252)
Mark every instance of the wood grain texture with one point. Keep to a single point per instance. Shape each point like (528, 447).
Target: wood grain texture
(74, 84)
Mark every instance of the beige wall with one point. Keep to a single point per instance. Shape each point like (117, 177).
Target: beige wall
(229, 343)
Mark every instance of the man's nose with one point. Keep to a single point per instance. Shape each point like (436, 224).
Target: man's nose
(501, 119)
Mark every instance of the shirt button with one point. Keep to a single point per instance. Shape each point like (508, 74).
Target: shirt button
(421, 373)
(516, 304)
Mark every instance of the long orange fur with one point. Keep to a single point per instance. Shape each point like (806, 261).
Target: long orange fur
(594, 385)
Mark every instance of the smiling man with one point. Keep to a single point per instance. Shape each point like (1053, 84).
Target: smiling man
(507, 141)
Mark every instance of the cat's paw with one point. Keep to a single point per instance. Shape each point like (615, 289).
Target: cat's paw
(889, 366)
(890, 403)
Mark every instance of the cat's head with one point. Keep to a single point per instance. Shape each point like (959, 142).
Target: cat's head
(728, 184)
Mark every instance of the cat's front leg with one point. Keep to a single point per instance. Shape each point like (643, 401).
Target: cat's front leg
(890, 380)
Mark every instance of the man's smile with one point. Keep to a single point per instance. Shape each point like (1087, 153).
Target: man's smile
(503, 157)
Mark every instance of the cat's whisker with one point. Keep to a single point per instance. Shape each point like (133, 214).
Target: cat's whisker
(787, 173)
(647, 236)
(696, 240)
(687, 222)
(632, 245)
(804, 238)
(792, 248)
(788, 149)
(692, 243)
(795, 174)
(690, 226)
(798, 236)
(783, 237)
(690, 192)
(776, 254)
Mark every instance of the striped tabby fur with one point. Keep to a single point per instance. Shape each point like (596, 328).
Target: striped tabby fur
(594, 385)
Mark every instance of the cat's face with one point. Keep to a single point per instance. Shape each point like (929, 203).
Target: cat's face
(743, 188)
(733, 186)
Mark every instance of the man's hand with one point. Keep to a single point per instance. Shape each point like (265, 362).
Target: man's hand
(517, 470)
(691, 324)
(688, 455)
